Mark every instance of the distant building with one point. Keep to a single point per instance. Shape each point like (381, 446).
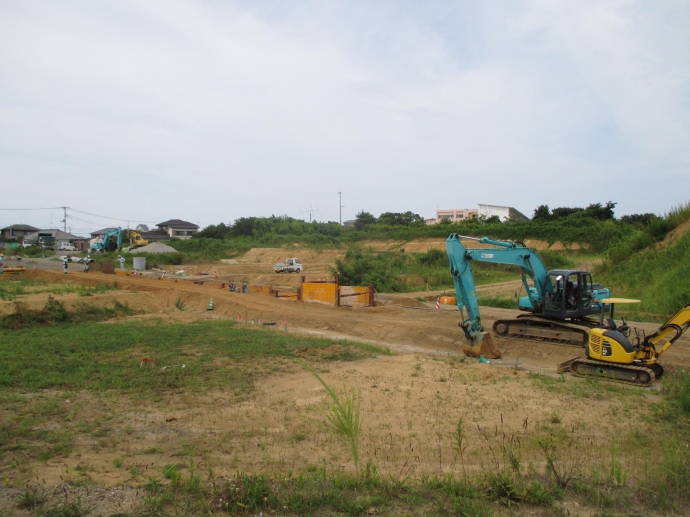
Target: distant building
(429, 222)
(349, 222)
(504, 213)
(178, 228)
(80, 243)
(454, 216)
(16, 231)
(141, 228)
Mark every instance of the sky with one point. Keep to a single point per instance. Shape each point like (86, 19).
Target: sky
(207, 111)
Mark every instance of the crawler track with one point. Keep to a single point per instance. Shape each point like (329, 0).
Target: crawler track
(634, 375)
(535, 328)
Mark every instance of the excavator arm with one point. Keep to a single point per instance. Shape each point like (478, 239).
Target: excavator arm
(509, 253)
(670, 331)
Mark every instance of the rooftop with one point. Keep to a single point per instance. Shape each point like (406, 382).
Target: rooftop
(179, 223)
(23, 227)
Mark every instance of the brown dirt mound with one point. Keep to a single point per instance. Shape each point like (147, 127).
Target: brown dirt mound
(674, 235)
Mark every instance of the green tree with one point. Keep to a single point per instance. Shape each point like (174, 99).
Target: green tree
(243, 226)
(542, 213)
(364, 219)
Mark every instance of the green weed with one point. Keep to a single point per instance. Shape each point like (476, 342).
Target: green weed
(342, 412)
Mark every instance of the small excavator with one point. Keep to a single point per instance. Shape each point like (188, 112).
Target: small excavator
(558, 303)
(136, 240)
(611, 355)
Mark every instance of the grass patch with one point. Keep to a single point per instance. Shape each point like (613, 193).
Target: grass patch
(54, 312)
(98, 356)
(11, 290)
(501, 302)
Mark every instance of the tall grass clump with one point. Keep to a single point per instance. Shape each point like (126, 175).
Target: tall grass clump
(343, 414)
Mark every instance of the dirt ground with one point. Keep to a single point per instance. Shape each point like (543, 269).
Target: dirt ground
(411, 400)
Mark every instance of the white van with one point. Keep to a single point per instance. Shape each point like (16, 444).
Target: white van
(66, 246)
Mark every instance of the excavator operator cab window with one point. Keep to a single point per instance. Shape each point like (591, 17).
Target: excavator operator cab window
(554, 298)
(585, 293)
(571, 293)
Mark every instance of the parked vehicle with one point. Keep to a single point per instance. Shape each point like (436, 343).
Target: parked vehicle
(291, 265)
(46, 242)
(66, 246)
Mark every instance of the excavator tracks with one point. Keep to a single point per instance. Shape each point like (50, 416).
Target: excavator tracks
(635, 375)
(550, 331)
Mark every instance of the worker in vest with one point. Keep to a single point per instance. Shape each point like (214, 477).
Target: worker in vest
(122, 261)
(87, 263)
(1, 259)
(65, 261)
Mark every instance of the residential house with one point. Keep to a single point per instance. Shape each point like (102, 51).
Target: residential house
(178, 229)
(16, 232)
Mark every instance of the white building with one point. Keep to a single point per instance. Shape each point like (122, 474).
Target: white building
(504, 213)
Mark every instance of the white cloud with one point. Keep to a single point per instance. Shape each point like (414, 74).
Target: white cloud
(222, 110)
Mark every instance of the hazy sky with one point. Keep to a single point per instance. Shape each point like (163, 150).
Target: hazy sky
(212, 110)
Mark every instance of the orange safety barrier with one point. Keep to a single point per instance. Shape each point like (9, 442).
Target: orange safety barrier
(448, 300)
(319, 292)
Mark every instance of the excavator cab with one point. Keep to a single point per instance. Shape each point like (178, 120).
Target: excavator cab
(570, 294)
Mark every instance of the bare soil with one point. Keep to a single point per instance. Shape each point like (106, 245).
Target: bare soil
(411, 400)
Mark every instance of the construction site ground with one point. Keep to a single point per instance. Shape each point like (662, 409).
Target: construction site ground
(411, 399)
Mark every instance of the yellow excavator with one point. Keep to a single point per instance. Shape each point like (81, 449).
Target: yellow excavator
(611, 355)
(136, 240)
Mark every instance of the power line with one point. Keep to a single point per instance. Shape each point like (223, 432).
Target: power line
(106, 217)
(17, 209)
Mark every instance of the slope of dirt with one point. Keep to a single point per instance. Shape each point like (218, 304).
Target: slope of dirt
(674, 235)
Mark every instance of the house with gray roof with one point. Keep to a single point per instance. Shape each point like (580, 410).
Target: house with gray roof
(16, 231)
(178, 228)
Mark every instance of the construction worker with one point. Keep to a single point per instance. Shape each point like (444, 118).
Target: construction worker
(65, 261)
(1, 259)
(87, 263)
(122, 261)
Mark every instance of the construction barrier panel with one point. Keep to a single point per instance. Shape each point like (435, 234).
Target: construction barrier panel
(260, 289)
(354, 295)
(319, 292)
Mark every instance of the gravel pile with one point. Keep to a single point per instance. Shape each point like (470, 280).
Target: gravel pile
(155, 247)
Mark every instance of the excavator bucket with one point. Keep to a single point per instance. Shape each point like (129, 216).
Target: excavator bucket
(482, 346)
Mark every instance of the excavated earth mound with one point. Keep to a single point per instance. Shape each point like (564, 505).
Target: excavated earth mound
(155, 247)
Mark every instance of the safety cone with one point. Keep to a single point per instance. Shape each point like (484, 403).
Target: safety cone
(438, 304)
(215, 274)
(210, 305)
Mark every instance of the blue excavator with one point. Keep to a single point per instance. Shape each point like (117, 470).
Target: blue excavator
(557, 302)
(111, 241)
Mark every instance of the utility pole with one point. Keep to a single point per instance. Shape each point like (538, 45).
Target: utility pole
(340, 203)
(64, 219)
